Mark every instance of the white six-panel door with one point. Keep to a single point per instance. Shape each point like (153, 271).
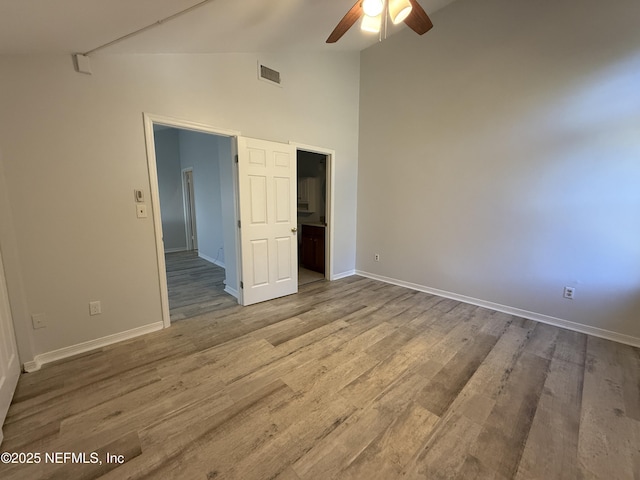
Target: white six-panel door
(267, 186)
(9, 364)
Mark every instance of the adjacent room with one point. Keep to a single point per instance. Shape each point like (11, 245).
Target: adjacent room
(312, 174)
(297, 240)
(192, 168)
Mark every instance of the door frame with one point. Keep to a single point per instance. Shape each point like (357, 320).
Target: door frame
(149, 121)
(329, 229)
(190, 225)
(9, 360)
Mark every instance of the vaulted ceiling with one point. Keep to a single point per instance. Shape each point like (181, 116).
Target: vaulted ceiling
(217, 26)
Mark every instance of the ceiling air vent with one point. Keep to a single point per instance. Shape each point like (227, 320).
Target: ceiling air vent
(269, 74)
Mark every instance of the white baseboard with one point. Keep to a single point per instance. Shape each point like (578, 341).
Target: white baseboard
(66, 352)
(211, 260)
(538, 317)
(231, 291)
(175, 250)
(338, 276)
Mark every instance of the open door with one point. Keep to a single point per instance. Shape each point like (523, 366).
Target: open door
(268, 223)
(9, 364)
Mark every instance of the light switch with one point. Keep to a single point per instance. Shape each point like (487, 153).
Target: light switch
(141, 211)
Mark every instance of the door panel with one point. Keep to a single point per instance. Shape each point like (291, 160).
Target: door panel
(258, 193)
(283, 200)
(284, 271)
(267, 190)
(9, 363)
(259, 260)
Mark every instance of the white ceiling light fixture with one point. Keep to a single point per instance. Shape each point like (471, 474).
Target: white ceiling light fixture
(374, 10)
(371, 24)
(399, 10)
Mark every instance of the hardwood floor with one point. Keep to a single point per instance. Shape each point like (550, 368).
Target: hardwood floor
(195, 285)
(352, 379)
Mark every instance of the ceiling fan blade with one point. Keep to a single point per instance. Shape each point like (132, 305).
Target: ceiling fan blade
(346, 23)
(418, 20)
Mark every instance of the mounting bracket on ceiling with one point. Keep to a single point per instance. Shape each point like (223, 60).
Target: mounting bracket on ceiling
(81, 63)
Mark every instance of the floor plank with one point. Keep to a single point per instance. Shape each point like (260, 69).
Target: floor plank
(554, 432)
(608, 442)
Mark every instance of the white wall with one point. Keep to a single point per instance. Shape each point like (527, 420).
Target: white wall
(74, 150)
(167, 145)
(499, 158)
(200, 152)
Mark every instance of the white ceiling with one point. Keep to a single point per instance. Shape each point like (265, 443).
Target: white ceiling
(219, 26)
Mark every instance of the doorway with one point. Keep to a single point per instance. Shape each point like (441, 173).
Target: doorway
(241, 211)
(192, 178)
(313, 214)
(189, 171)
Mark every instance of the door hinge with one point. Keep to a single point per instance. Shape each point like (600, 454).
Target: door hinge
(239, 224)
(236, 158)
(241, 284)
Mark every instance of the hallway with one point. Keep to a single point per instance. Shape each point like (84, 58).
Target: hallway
(196, 286)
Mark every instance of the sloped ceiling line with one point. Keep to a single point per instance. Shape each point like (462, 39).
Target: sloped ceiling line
(148, 27)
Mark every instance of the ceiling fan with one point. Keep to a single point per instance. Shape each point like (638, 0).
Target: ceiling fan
(408, 11)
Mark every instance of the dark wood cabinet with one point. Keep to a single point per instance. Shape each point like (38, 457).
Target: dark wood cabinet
(312, 248)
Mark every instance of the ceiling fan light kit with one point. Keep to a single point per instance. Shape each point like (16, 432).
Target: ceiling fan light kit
(374, 12)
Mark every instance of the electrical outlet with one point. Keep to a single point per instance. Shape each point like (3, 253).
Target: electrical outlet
(569, 292)
(39, 320)
(376, 257)
(95, 308)
(141, 211)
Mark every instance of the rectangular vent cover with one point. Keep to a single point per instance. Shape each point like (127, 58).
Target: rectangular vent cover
(269, 74)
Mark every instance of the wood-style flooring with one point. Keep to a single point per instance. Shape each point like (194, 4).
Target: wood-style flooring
(352, 379)
(308, 276)
(195, 285)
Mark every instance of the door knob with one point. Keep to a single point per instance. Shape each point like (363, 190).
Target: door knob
(294, 229)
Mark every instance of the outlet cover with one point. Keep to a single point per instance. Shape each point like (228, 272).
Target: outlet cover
(569, 292)
(141, 211)
(39, 320)
(95, 308)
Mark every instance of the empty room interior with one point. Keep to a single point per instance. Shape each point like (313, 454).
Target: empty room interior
(251, 240)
